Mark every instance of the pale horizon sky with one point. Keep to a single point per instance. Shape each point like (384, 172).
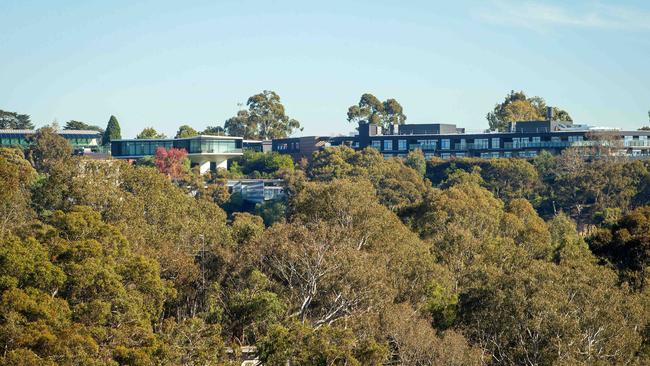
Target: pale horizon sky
(167, 63)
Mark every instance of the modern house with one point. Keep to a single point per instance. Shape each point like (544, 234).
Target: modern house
(523, 139)
(258, 190)
(82, 141)
(300, 147)
(208, 152)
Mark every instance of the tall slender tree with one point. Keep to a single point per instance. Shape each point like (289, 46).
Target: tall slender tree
(113, 131)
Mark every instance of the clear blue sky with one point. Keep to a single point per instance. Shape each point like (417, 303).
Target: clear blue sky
(166, 63)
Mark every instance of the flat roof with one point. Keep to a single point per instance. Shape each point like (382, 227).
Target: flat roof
(186, 138)
(60, 132)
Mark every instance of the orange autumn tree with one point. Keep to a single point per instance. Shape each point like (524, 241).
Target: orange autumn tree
(171, 162)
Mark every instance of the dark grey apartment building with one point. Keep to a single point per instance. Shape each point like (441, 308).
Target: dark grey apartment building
(525, 139)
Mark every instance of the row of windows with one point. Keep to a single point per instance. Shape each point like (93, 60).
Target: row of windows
(210, 146)
(295, 146)
(15, 141)
(138, 148)
(477, 144)
(193, 146)
(493, 154)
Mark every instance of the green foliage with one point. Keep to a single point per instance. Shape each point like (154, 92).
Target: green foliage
(78, 125)
(13, 120)
(265, 119)
(415, 160)
(371, 110)
(113, 131)
(518, 107)
(261, 165)
(366, 262)
(185, 131)
(626, 245)
(150, 133)
(214, 131)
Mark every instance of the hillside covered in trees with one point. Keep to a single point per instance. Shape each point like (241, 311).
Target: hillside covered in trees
(367, 262)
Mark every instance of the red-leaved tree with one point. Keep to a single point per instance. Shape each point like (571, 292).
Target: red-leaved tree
(170, 162)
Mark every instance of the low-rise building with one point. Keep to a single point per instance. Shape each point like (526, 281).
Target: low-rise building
(524, 139)
(257, 190)
(82, 141)
(208, 152)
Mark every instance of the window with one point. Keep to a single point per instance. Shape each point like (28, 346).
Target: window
(481, 143)
(376, 144)
(556, 139)
(507, 154)
(485, 155)
(429, 156)
(388, 156)
(388, 145)
(495, 142)
(460, 155)
(537, 139)
(575, 138)
(444, 144)
(427, 144)
(401, 145)
(445, 155)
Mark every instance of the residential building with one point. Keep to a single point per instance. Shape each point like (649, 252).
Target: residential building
(524, 139)
(299, 147)
(257, 190)
(208, 152)
(82, 141)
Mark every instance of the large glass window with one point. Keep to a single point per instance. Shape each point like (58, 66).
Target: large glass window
(427, 144)
(376, 144)
(388, 145)
(444, 144)
(481, 143)
(495, 142)
(401, 145)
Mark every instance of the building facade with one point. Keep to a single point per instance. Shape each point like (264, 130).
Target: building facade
(208, 152)
(525, 139)
(82, 141)
(300, 147)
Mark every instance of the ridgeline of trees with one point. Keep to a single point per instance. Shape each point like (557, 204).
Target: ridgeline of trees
(371, 261)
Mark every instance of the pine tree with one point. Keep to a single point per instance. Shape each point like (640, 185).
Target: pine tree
(113, 131)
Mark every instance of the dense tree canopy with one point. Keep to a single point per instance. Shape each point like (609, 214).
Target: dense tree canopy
(15, 120)
(518, 107)
(371, 261)
(150, 133)
(214, 131)
(372, 110)
(265, 119)
(186, 131)
(78, 125)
